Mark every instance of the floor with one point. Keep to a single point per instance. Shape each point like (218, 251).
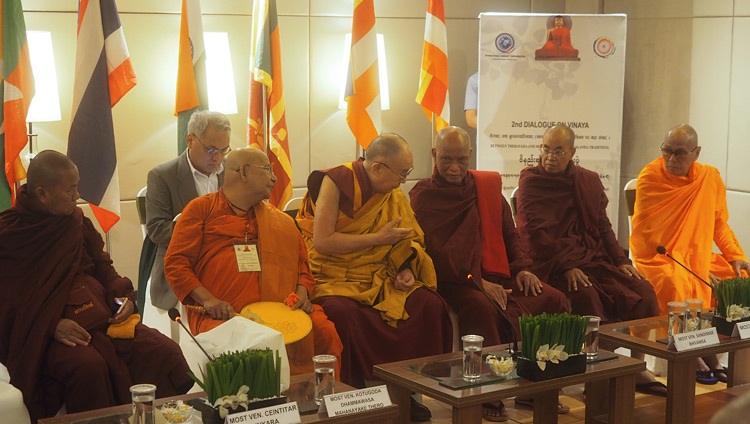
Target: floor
(571, 396)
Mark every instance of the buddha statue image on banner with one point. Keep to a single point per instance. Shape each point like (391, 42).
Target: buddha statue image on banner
(557, 44)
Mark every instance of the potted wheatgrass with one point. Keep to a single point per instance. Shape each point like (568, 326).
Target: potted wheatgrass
(551, 346)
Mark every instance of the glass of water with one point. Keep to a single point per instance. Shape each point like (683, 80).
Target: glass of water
(472, 345)
(143, 396)
(694, 310)
(325, 376)
(591, 339)
(676, 312)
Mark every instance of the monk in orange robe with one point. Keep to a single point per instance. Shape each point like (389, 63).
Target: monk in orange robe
(681, 204)
(202, 267)
(375, 280)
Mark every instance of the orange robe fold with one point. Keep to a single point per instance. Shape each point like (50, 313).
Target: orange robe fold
(686, 215)
(201, 253)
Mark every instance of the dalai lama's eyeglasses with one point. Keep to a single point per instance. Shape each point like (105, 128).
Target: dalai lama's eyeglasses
(214, 150)
(555, 153)
(678, 154)
(403, 175)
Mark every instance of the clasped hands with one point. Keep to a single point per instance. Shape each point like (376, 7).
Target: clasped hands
(70, 333)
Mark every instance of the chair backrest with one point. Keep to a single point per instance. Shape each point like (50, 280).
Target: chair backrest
(513, 202)
(293, 204)
(630, 195)
(140, 204)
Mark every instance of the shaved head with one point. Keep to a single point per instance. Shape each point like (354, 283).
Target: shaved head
(683, 132)
(451, 154)
(249, 178)
(240, 157)
(385, 146)
(680, 149)
(45, 169)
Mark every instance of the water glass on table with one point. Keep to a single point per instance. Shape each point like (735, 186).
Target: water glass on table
(693, 318)
(143, 396)
(591, 338)
(325, 376)
(676, 313)
(472, 362)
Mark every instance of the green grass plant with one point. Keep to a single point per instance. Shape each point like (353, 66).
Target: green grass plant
(552, 329)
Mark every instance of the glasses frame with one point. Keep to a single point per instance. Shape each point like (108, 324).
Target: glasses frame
(667, 152)
(213, 150)
(267, 168)
(403, 177)
(554, 153)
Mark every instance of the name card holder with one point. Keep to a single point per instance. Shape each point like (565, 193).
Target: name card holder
(357, 401)
(696, 339)
(741, 330)
(287, 413)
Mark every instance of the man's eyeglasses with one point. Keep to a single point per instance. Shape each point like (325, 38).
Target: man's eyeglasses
(213, 150)
(667, 152)
(403, 176)
(555, 153)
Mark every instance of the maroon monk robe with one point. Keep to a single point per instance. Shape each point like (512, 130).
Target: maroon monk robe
(563, 220)
(451, 219)
(44, 258)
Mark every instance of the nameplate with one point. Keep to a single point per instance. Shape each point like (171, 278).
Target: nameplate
(741, 330)
(357, 401)
(287, 413)
(696, 339)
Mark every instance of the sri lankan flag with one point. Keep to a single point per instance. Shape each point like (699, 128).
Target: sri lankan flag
(265, 69)
(191, 69)
(17, 91)
(433, 78)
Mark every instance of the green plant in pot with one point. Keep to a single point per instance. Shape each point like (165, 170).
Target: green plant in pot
(732, 299)
(234, 380)
(551, 339)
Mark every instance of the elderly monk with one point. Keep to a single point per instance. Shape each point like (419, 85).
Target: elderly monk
(63, 336)
(204, 269)
(681, 205)
(375, 280)
(563, 220)
(469, 228)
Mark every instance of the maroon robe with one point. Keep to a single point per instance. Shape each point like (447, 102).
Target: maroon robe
(563, 220)
(55, 267)
(451, 219)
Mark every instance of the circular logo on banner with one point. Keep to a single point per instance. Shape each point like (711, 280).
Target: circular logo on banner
(604, 47)
(505, 43)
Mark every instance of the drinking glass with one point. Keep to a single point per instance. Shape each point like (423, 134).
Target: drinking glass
(472, 345)
(693, 317)
(676, 312)
(325, 376)
(591, 340)
(143, 396)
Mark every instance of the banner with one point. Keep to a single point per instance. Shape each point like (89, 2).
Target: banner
(539, 70)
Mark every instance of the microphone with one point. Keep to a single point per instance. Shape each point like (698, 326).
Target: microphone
(514, 351)
(663, 251)
(174, 315)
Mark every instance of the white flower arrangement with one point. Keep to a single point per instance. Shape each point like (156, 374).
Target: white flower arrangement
(737, 312)
(501, 366)
(233, 402)
(554, 354)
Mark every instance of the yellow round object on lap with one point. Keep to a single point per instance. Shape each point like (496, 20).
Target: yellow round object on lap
(293, 324)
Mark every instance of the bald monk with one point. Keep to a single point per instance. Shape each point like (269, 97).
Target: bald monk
(202, 267)
(469, 228)
(63, 336)
(681, 204)
(375, 280)
(563, 220)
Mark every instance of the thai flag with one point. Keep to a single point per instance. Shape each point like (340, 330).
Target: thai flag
(103, 74)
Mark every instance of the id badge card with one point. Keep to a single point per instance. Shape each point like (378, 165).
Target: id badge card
(247, 257)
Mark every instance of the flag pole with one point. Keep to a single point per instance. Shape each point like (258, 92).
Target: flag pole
(266, 119)
(433, 129)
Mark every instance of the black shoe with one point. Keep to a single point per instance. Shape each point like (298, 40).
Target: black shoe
(419, 412)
